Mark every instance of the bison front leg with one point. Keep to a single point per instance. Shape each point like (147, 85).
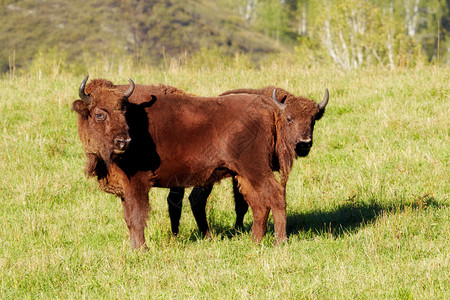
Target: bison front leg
(260, 209)
(260, 216)
(263, 196)
(276, 197)
(279, 220)
(135, 211)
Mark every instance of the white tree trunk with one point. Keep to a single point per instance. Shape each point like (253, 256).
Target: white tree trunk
(390, 47)
(412, 16)
(247, 10)
(302, 24)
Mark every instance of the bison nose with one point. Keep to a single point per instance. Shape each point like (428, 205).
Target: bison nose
(307, 143)
(122, 143)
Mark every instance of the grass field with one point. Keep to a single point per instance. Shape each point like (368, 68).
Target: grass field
(368, 209)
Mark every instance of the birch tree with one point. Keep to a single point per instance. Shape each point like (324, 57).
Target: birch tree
(347, 31)
(272, 18)
(247, 9)
(411, 8)
(303, 12)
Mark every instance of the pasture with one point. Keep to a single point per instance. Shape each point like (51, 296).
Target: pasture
(368, 209)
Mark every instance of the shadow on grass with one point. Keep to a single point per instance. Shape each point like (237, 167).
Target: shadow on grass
(336, 222)
(352, 216)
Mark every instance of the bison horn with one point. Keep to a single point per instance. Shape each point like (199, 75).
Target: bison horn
(324, 101)
(82, 93)
(274, 97)
(130, 89)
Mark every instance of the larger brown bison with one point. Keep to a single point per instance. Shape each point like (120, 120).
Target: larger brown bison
(135, 139)
(301, 113)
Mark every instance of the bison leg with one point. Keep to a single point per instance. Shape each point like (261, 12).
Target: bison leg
(175, 202)
(276, 197)
(260, 216)
(135, 211)
(260, 209)
(279, 221)
(240, 206)
(262, 196)
(198, 198)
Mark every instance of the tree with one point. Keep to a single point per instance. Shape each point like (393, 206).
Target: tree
(354, 33)
(272, 19)
(247, 9)
(349, 31)
(411, 8)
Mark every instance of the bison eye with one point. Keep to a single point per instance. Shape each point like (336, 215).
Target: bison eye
(99, 115)
(290, 120)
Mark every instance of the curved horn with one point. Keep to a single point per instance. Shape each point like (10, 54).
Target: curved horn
(82, 93)
(324, 101)
(130, 89)
(274, 98)
(274, 95)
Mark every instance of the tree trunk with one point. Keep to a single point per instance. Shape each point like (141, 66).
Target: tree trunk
(412, 17)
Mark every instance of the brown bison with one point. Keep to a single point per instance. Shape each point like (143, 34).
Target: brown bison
(301, 113)
(135, 138)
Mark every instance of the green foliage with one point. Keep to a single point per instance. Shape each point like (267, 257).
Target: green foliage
(49, 63)
(356, 33)
(393, 33)
(360, 33)
(368, 209)
(272, 19)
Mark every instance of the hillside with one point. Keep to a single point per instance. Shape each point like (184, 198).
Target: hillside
(145, 30)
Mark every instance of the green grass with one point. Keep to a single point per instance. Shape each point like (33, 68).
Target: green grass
(368, 210)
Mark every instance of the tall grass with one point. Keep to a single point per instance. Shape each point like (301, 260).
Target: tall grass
(368, 209)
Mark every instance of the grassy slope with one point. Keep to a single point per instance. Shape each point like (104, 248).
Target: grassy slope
(85, 30)
(368, 210)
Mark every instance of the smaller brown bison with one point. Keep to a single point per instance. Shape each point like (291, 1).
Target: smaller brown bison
(136, 138)
(302, 114)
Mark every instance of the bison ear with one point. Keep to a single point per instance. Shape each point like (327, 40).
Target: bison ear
(81, 108)
(319, 115)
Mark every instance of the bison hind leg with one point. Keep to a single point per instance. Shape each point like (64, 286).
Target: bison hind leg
(198, 198)
(241, 207)
(175, 204)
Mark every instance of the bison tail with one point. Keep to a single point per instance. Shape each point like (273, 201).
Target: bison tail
(283, 150)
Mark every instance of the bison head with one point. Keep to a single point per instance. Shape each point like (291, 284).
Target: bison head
(102, 126)
(302, 114)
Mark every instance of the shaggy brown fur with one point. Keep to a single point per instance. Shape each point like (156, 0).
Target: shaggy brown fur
(141, 90)
(301, 113)
(178, 140)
